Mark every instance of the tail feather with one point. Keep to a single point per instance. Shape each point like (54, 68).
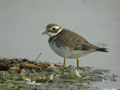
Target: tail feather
(102, 49)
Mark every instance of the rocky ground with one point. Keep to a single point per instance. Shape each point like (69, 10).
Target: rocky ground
(23, 74)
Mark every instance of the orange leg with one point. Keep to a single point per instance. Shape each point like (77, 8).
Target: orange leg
(77, 64)
(64, 66)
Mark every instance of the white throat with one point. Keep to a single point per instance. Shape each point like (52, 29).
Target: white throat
(53, 34)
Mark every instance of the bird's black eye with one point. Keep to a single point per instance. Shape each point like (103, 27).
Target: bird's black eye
(53, 28)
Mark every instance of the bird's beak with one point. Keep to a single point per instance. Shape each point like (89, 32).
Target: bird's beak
(45, 32)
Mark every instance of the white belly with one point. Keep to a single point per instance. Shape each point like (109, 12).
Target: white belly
(67, 52)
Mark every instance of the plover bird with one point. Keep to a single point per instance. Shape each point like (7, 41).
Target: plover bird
(69, 44)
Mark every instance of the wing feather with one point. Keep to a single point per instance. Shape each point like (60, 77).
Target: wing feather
(73, 40)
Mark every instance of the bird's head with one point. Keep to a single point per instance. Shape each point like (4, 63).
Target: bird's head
(52, 30)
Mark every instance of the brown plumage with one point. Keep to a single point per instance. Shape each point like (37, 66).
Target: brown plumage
(72, 40)
(51, 25)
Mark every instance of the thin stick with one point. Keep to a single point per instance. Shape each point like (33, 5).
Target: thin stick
(38, 57)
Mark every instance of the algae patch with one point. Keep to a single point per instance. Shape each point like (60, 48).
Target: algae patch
(24, 74)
